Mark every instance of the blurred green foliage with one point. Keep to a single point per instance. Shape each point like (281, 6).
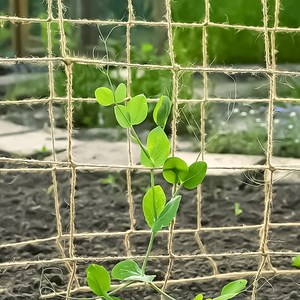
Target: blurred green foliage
(231, 46)
(5, 37)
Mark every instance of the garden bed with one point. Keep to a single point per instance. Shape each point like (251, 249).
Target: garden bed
(27, 212)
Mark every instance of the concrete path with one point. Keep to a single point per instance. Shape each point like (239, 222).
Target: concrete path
(24, 141)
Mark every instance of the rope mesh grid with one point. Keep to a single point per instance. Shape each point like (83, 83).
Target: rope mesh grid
(17, 165)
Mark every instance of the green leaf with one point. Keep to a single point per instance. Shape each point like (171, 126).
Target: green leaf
(98, 279)
(237, 209)
(175, 170)
(162, 111)
(125, 268)
(196, 174)
(104, 96)
(129, 270)
(234, 287)
(138, 109)
(225, 297)
(120, 93)
(167, 215)
(296, 261)
(153, 204)
(199, 297)
(158, 146)
(122, 116)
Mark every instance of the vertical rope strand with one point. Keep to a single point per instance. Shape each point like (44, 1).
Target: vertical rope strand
(203, 134)
(69, 119)
(175, 118)
(268, 174)
(129, 146)
(52, 132)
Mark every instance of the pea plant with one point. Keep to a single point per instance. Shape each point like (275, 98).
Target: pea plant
(158, 212)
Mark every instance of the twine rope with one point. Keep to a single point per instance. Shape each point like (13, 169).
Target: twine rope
(271, 72)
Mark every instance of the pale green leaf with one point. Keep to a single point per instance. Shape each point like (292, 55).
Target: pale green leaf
(98, 279)
(175, 170)
(226, 297)
(162, 111)
(122, 116)
(158, 146)
(120, 93)
(296, 261)
(137, 107)
(129, 270)
(104, 96)
(237, 209)
(196, 174)
(167, 215)
(153, 204)
(199, 297)
(234, 287)
(126, 268)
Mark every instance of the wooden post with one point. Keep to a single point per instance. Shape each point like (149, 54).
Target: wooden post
(19, 8)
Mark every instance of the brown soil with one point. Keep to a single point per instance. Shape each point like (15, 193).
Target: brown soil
(27, 212)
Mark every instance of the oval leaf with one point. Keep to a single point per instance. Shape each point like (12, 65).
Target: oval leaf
(138, 109)
(129, 270)
(158, 146)
(98, 279)
(104, 96)
(162, 111)
(199, 297)
(153, 204)
(120, 93)
(234, 287)
(122, 116)
(175, 170)
(126, 268)
(167, 215)
(196, 174)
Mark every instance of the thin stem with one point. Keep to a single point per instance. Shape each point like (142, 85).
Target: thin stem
(140, 143)
(120, 287)
(148, 252)
(134, 134)
(177, 191)
(160, 291)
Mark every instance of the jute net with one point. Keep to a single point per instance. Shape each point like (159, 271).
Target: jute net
(69, 258)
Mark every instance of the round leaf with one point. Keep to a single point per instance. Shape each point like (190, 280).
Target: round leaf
(138, 109)
(199, 297)
(122, 116)
(126, 268)
(196, 174)
(158, 146)
(104, 96)
(98, 279)
(175, 170)
(162, 111)
(120, 93)
(153, 204)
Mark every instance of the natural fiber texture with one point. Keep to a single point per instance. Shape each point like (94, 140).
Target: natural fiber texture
(68, 257)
